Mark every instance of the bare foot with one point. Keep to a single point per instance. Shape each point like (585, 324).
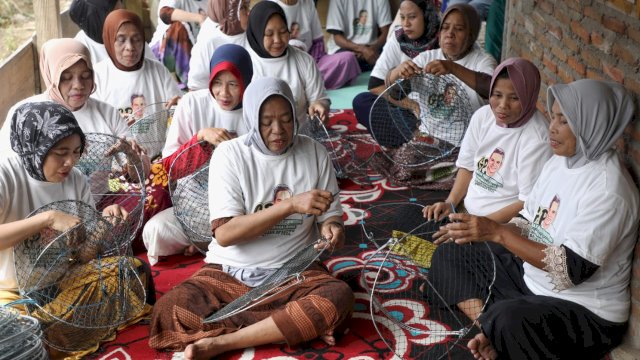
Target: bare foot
(190, 250)
(328, 338)
(481, 348)
(203, 349)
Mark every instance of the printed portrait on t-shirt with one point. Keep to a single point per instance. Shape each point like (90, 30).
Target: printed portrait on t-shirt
(281, 192)
(294, 30)
(137, 106)
(360, 23)
(543, 222)
(287, 226)
(487, 174)
(442, 105)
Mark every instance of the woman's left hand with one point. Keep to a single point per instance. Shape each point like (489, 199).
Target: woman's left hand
(115, 213)
(439, 67)
(172, 101)
(466, 228)
(321, 108)
(333, 232)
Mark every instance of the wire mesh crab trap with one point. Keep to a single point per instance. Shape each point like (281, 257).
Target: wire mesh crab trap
(82, 283)
(348, 162)
(422, 119)
(286, 277)
(189, 189)
(378, 219)
(20, 336)
(417, 315)
(150, 127)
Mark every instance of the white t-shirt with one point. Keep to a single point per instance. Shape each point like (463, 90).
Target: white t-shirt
(358, 20)
(476, 60)
(116, 87)
(98, 52)
(597, 218)
(242, 181)
(303, 22)
(299, 70)
(95, 116)
(498, 179)
(391, 57)
(20, 194)
(198, 110)
(192, 6)
(209, 38)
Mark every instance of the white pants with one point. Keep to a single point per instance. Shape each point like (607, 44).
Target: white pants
(163, 235)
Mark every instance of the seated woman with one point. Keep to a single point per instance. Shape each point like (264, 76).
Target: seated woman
(41, 172)
(177, 28)
(89, 15)
(306, 34)
(254, 235)
(503, 150)
(268, 37)
(127, 75)
(226, 23)
(563, 267)
(67, 73)
(418, 33)
(214, 116)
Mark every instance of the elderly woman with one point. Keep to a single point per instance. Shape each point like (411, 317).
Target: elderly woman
(254, 235)
(268, 36)
(226, 23)
(127, 75)
(213, 116)
(563, 267)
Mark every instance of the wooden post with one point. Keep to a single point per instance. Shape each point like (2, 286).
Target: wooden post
(48, 26)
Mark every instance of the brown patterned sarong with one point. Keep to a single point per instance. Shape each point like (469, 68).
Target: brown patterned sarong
(303, 312)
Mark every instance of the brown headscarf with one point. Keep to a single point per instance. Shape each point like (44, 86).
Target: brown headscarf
(471, 18)
(225, 13)
(112, 23)
(56, 56)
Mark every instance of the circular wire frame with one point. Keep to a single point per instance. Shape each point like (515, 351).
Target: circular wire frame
(378, 219)
(429, 114)
(20, 336)
(82, 283)
(189, 189)
(150, 128)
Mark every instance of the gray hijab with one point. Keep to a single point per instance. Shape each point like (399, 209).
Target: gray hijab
(255, 95)
(597, 112)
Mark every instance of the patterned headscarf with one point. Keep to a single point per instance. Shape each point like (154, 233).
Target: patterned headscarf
(225, 14)
(258, 19)
(36, 128)
(472, 19)
(429, 38)
(235, 59)
(597, 113)
(257, 93)
(525, 78)
(58, 55)
(89, 15)
(112, 24)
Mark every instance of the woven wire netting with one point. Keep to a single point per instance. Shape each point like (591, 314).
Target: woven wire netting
(408, 308)
(81, 283)
(189, 189)
(287, 276)
(426, 113)
(150, 128)
(20, 336)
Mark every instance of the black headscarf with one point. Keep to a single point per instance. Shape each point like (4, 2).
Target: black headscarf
(35, 128)
(258, 19)
(429, 38)
(89, 15)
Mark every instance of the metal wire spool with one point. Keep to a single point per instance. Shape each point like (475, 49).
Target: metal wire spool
(114, 172)
(287, 276)
(426, 114)
(20, 336)
(80, 284)
(189, 189)
(150, 128)
(408, 309)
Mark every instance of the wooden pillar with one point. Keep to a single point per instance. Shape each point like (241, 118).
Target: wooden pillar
(48, 26)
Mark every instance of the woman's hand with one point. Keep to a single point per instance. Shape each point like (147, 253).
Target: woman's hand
(61, 221)
(320, 108)
(315, 202)
(437, 211)
(406, 70)
(466, 228)
(333, 232)
(115, 214)
(214, 136)
(439, 67)
(172, 101)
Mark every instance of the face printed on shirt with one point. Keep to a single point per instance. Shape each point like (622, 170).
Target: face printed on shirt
(487, 171)
(360, 23)
(543, 222)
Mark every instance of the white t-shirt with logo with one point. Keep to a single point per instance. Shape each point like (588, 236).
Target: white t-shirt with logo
(358, 20)
(242, 181)
(391, 57)
(505, 161)
(192, 6)
(597, 218)
(303, 22)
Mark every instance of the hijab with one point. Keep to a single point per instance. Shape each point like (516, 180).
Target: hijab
(257, 93)
(235, 59)
(89, 15)
(258, 19)
(525, 77)
(58, 55)
(597, 113)
(225, 14)
(112, 23)
(471, 19)
(37, 127)
(429, 38)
